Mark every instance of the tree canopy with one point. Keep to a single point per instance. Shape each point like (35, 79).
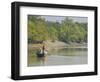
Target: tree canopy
(67, 30)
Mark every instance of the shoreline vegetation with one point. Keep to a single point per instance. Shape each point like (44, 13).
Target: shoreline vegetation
(56, 45)
(56, 35)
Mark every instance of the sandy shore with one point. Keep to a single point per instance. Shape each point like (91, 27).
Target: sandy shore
(57, 45)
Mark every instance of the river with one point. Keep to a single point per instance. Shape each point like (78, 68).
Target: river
(66, 56)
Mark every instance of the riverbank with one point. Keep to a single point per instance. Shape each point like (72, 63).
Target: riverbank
(57, 45)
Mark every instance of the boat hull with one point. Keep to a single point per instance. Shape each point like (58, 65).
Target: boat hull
(40, 54)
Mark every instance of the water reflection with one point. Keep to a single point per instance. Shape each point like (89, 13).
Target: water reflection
(42, 60)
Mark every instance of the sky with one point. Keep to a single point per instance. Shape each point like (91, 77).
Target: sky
(60, 18)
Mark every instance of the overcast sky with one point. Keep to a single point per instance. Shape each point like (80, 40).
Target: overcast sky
(60, 18)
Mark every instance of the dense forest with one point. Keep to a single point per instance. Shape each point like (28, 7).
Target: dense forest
(66, 31)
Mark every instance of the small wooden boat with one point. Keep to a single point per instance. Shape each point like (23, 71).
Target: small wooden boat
(41, 53)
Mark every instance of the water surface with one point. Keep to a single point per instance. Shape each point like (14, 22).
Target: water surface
(66, 56)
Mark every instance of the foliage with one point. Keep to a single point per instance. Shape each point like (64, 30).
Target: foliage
(66, 31)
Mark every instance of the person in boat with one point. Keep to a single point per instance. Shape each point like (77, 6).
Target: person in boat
(42, 52)
(44, 49)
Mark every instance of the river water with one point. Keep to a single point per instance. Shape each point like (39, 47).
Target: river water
(66, 56)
